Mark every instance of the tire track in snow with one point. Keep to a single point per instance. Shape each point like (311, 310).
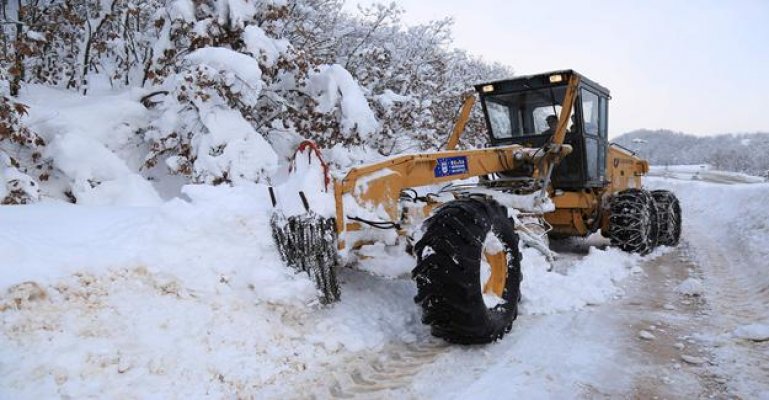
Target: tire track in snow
(378, 375)
(742, 295)
(739, 293)
(673, 327)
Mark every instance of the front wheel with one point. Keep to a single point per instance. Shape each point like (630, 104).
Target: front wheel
(468, 271)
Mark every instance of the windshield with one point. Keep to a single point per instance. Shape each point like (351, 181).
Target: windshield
(525, 113)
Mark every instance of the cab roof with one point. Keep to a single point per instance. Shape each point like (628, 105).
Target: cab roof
(539, 81)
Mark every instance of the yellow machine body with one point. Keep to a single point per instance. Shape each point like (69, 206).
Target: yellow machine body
(377, 187)
(580, 213)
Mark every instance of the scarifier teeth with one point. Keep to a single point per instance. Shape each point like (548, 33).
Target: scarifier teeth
(308, 243)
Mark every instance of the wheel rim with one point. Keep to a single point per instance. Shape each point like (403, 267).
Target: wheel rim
(493, 271)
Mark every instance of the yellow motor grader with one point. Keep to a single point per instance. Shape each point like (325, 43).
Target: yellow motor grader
(549, 171)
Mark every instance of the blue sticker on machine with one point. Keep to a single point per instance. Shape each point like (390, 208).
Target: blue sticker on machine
(451, 166)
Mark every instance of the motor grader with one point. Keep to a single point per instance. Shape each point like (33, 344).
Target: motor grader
(462, 213)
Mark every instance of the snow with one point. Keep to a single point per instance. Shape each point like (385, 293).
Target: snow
(388, 99)
(532, 203)
(333, 85)
(386, 261)
(91, 140)
(725, 225)
(183, 9)
(702, 172)
(156, 300)
(188, 297)
(243, 66)
(305, 174)
(36, 36)
(694, 360)
(198, 242)
(259, 44)
(246, 155)
(13, 180)
(646, 335)
(590, 281)
(690, 287)
(755, 332)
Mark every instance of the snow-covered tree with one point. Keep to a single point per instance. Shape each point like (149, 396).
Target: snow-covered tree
(730, 152)
(232, 86)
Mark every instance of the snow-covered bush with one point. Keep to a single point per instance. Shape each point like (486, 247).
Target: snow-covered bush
(412, 79)
(72, 43)
(230, 57)
(16, 187)
(205, 130)
(21, 156)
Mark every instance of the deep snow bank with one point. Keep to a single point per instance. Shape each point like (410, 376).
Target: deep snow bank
(221, 234)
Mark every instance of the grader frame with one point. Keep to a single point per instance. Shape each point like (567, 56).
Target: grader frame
(479, 224)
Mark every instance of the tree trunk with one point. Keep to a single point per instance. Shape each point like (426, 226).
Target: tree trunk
(18, 66)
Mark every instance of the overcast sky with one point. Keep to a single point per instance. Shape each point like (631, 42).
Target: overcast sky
(699, 67)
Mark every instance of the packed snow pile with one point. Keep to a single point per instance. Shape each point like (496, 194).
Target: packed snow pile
(215, 237)
(148, 301)
(754, 332)
(690, 287)
(593, 280)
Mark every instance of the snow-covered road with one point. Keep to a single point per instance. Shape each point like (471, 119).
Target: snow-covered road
(189, 300)
(727, 228)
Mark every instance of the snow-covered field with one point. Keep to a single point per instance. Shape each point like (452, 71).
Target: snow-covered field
(188, 299)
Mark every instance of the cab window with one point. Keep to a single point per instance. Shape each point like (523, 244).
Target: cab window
(590, 112)
(603, 119)
(500, 120)
(523, 113)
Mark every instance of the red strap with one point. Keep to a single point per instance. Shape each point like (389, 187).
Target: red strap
(314, 147)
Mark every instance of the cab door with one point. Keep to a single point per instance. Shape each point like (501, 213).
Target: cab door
(594, 116)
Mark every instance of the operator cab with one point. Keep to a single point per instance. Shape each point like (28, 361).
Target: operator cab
(517, 110)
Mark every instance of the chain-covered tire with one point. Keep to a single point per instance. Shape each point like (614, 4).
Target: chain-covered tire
(669, 214)
(633, 223)
(450, 258)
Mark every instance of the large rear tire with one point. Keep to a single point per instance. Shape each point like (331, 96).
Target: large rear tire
(633, 223)
(450, 256)
(669, 214)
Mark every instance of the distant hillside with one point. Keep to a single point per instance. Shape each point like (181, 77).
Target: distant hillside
(748, 153)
